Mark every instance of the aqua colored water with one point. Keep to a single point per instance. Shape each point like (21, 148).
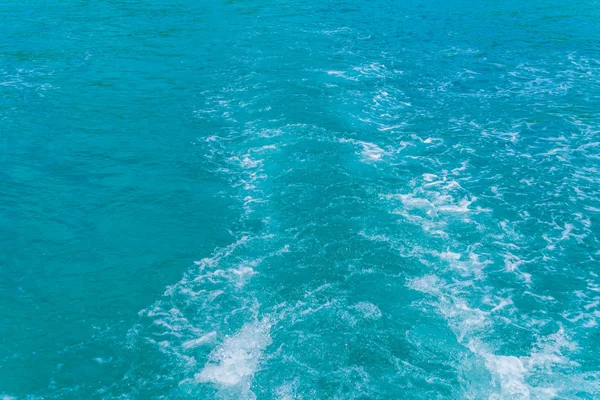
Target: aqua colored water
(327, 199)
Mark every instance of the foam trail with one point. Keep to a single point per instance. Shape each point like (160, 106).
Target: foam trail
(232, 365)
(202, 340)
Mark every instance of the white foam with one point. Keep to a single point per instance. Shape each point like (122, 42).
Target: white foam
(510, 372)
(287, 391)
(204, 339)
(370, 151)
(449, 255)
(512, 262)
(429, 284)
(341, 74)
(374, 69)
(242, 274)
(368, 310)
(247, 162)
(236, 360)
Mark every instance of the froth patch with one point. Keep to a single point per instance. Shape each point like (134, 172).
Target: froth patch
(368, 310)
(370, 152)
(235, 361)
(510, 371)
(204, 339)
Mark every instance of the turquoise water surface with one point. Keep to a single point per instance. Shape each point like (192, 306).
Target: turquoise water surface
(330, 199)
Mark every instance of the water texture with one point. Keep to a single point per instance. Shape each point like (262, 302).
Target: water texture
(305, 199)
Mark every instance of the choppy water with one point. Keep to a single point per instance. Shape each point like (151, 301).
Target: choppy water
(300, 200)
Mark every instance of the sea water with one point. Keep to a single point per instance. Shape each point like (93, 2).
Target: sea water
(333, 199)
